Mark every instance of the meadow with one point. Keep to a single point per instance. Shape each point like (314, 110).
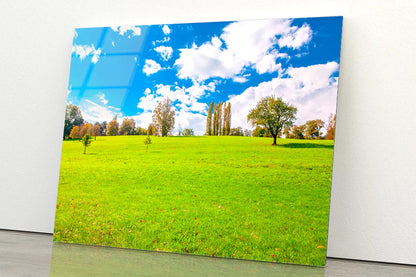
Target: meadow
(235, 197)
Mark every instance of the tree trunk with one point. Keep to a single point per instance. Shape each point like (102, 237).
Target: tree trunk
(274, 140)
(85, 149)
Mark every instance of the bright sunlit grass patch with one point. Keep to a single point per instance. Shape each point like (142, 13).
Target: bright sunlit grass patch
(234, 197)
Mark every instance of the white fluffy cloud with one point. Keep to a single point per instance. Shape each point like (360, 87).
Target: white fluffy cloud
(190, 113)
(195, 121)
(82, 51)
(242, 44)
(208, 60)
(250, 40)
(166, 30)
(149, 102)
(151, 67)
(165, 39)
(184, 99)
(165, 52)
(101, 96)
(315, 76)
(130, 30)
(142, 120)
(93, 112)
(268, 64)
(296, 37)
(311, 89)
(198, 90)
(240, 79)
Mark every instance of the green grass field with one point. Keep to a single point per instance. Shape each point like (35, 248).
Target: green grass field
(234, 197)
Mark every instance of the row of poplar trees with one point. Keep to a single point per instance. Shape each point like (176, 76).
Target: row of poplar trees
(218, 119)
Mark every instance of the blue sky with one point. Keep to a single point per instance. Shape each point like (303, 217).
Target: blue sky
(127, 70)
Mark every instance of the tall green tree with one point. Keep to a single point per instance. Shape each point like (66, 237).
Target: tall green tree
(227, 120)
(219, 118)
(272, 113)
(73, 117)
(223, 118)
(164, 117)
(86, 141)
(147, 141)
(208, 128)
(215, 121)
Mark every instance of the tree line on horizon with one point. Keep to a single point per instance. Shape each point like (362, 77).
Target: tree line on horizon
(112, 128)
(312, 129)
(271, 118)
(163, 121)
(218, 123)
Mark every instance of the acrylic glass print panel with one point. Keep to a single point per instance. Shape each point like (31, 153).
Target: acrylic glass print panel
(205, 138)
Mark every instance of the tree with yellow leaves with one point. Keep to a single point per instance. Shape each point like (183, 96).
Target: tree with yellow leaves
(74, 132)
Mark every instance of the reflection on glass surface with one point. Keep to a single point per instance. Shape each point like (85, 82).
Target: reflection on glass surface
(85, 260)
(113, 71)
(29, 254)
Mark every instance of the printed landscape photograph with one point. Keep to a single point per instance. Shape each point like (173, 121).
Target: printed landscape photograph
(211, 139)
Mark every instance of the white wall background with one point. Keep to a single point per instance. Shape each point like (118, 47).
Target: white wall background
(373, 206)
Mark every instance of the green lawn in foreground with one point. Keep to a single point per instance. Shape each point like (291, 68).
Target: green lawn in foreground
(234, 197)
